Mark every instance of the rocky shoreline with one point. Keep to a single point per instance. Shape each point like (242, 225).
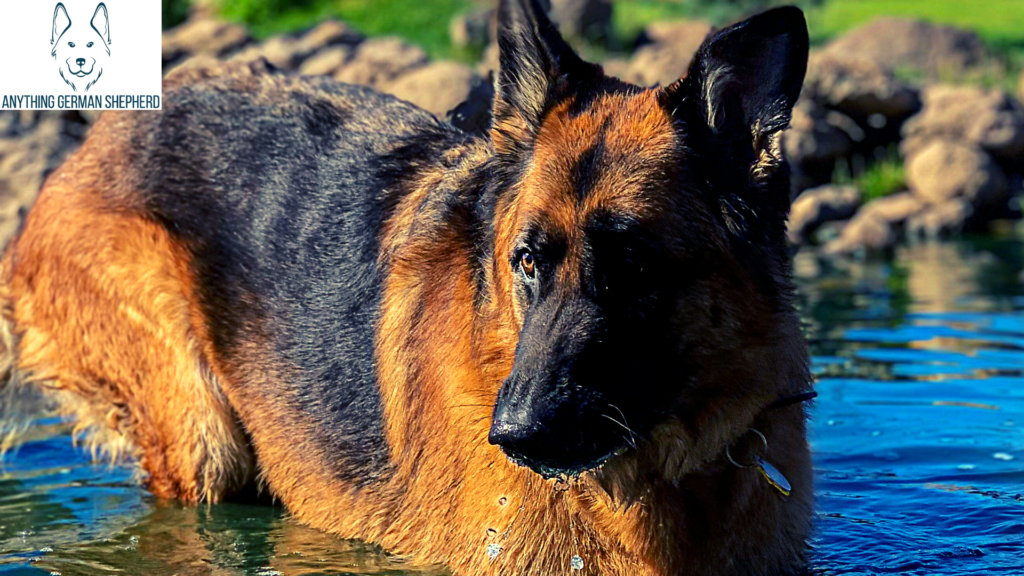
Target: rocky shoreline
(961, 146)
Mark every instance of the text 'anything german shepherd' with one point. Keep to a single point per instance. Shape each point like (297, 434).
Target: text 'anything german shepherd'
(498, 354)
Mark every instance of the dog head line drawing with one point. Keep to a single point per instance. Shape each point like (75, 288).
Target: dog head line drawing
(79, 49)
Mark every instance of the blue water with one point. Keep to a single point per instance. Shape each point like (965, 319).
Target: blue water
(918, 437)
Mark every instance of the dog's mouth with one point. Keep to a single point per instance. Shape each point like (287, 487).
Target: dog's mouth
(548, 469)
(81, 73)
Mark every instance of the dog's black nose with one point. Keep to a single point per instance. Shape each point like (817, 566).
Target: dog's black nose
(80, 61)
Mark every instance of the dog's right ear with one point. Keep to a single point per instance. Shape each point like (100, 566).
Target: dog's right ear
(61, 23)
(533, 59)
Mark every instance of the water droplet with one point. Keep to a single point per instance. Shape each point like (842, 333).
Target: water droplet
(491, 532)
(1002, 456)
(502, 501)
(492, 551)
(576, 563)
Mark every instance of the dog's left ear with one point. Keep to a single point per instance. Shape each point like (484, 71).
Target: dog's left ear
(741, 87)
(101, 24)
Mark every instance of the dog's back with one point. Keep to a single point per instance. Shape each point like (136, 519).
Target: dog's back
(234, 233)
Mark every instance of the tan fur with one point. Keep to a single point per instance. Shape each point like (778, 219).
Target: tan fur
(101, 303)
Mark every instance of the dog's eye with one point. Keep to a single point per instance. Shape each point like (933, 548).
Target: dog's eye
(72, 44)
(89, 45)
(527, 263)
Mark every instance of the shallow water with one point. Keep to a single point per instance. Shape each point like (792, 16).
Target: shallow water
(918, 436)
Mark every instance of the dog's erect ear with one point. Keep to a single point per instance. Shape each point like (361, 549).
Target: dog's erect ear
(742, 85)
(61, 22)
(101, 24)
(533, 58)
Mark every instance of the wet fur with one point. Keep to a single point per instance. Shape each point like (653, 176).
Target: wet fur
(306, 285)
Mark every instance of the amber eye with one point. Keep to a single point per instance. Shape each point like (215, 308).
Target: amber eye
(527, 263)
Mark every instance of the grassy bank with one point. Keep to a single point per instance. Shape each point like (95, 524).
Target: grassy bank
(425, 22)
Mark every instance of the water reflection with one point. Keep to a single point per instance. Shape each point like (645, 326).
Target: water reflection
(918, 436)
(917, 432)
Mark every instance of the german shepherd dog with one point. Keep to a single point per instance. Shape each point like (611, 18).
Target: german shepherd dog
(566, 347)
(80, 47)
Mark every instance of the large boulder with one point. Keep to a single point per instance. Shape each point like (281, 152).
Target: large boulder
(820, 205)
(944, 170)
(813, 144)
(666, 55)
(437, 87)
(378, 61)
(935, 50)
(861, 89)
(988, 119)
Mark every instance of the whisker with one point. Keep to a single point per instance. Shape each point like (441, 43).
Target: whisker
(631, 439)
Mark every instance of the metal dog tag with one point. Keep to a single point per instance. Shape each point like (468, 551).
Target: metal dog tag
(773, 476)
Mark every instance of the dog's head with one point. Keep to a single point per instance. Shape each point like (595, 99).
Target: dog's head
(639, 241)
(80, 48)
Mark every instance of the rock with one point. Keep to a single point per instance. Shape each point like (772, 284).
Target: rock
(326, 62)
(812, 145)
(206, 37)
(582, 18)
(898, 43)
(667, 57)
(860, 89)
(474, 114)
(290, 52)
(894, 209)
(876, 225)
(437, 87)
(279, 51)
(325, 35)
(862, 233)
(941, 220)
(944, 170)
(472, 28)
(819, 205)
(40, 143)
(989, 119)
(378, 61)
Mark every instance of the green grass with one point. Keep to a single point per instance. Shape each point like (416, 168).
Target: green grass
(997, 21)
(881, 177)
(422, 22)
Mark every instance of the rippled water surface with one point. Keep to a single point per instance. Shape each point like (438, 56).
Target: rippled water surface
(918, 437)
